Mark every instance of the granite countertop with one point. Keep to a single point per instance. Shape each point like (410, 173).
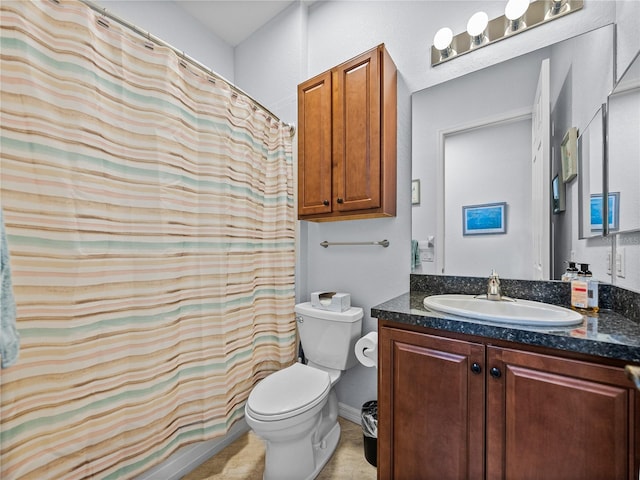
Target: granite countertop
(604, 334)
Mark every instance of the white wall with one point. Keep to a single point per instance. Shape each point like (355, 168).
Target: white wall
(171, 24)
(270, 64)
(628, 244)
(628, 25)
(624, 144)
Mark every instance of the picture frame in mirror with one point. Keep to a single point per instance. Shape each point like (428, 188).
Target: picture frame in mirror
(558, 195)
(569, 153)
(485, 219)
(415, 192)
(613, 211)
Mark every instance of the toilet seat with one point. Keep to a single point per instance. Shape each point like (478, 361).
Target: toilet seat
(288, 392)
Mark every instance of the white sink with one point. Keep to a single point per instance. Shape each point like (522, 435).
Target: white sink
(519, 312)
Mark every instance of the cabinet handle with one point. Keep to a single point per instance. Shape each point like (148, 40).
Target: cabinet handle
(325, 203)
(476, 368)
(340, 200)
(495, 372)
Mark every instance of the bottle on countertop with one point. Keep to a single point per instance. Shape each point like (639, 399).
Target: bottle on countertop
(584, 290)
(592, 288)
(571, 273)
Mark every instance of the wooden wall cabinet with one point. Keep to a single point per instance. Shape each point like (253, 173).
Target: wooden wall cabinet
(347, 121)
(456, 409)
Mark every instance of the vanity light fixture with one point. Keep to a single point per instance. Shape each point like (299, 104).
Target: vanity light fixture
(476, 28)
(519, 16)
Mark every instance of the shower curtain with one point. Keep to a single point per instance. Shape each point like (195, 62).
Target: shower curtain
(149, 215)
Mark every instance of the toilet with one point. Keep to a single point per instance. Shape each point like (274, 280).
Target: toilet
(295, 410)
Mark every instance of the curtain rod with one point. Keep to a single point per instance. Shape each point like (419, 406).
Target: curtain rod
(105, 13)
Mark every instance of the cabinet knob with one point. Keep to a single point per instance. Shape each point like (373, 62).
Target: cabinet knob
(325, 203)
(340, 200)
(476, 368)
(495, 372)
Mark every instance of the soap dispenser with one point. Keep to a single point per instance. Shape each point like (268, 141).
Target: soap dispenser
(580, 291)
(592, 288)
(584, 290)
(571, 273)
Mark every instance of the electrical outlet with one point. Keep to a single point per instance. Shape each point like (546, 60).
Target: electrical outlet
(620, 263)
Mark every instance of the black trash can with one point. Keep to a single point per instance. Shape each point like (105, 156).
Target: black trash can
(370, 431)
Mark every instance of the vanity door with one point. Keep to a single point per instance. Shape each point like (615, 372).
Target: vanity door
(550, 417)
(431, 407)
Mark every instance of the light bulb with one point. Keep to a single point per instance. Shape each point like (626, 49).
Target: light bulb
(442, 42)
(516, 9)
(477, 23)
(442, 39)
(476, 27)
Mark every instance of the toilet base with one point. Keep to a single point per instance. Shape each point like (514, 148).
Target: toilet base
(320, 455)
(324, 454)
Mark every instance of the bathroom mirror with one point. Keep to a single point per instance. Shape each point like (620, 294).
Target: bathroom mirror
(623, 155)
(484, 113)
(591, 188)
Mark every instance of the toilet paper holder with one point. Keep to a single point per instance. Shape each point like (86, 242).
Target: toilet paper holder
(367, 350)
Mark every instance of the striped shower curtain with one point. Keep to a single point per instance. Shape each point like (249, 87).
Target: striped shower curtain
(149, 216)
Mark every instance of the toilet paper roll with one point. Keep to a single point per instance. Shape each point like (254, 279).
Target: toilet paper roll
(367, 350)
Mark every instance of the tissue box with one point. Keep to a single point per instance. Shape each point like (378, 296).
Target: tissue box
(334, 301)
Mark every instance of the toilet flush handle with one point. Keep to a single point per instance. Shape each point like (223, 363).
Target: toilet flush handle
(299, 319)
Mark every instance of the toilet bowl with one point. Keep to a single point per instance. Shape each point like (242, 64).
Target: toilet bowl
(295, 410)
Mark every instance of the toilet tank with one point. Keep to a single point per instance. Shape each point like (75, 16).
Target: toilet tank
(328, 338)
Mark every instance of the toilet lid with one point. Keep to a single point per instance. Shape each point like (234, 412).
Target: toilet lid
(288, 392)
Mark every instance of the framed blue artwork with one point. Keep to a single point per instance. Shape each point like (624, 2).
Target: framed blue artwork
(558, 195)
(489, 218)
(613, 214)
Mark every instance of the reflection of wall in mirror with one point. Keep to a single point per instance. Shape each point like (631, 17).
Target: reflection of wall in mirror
(595, 158)
(581, 79)
(590, 178)
(472, 160)
(624, 155)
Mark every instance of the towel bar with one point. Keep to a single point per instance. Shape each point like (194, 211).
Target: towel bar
(382, 243)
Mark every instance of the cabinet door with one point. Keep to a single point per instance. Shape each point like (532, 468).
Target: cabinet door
(356, 133)
(431, 407)
(314, 145)
(553, 418)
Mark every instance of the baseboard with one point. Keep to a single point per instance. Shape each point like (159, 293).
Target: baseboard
(191, 456)
(349, 412)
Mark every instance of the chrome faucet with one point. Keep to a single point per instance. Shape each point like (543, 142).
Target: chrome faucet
(494, 292)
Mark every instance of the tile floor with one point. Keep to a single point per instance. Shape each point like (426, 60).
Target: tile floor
(244, 459)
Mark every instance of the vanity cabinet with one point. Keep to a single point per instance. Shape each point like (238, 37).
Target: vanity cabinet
(347, 140)
(458, 409)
